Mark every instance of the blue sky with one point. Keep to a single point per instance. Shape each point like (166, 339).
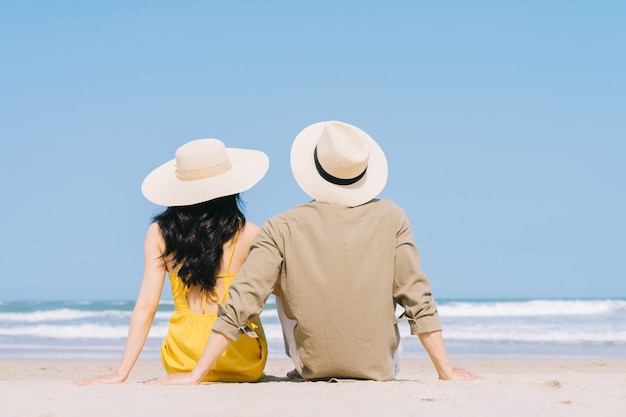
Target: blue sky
(503, 123)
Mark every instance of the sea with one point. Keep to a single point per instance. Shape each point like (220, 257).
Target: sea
(472, 328)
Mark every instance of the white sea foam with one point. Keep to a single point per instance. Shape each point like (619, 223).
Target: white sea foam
(77, 331)
(531, 308)
(520, 332)
(62, 314)
(103, 326)
(564, 336)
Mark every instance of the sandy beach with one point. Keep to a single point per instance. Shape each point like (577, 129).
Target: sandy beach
(511, 387)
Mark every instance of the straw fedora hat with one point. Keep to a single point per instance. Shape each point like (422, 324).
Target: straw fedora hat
(336, 162)
(203, 170)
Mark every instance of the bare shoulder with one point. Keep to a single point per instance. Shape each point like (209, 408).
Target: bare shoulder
(153, 231)
(246, 237)
(249, 231)
(154, 237)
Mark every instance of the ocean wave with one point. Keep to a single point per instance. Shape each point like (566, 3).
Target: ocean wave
(531, 308)
(530, 334)
(491, 335)
(574, 322)
(78, 331)
(101, 331)
(63, 314)
(69, 314)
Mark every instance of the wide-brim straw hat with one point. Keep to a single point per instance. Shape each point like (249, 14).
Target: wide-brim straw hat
(336, 162)
(203, 170)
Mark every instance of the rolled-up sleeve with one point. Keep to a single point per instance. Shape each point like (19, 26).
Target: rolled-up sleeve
(253, 285)
(411, 287)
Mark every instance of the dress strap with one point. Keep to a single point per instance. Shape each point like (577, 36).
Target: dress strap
(232, 251)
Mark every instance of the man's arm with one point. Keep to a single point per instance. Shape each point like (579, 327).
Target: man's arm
(411, 286)
(215, 347)
(412, 292)
(434, 345)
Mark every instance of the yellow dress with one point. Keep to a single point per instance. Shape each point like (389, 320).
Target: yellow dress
(187, 334)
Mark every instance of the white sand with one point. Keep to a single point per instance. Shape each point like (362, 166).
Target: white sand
(511, 387)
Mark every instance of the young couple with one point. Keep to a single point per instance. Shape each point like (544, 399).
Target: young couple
(338, 265)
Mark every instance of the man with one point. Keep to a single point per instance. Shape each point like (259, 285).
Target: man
(345, 259)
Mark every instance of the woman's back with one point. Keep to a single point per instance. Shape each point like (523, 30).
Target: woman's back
(196, 311)
(234, 255)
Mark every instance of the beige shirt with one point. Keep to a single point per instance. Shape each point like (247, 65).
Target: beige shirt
(343, 270)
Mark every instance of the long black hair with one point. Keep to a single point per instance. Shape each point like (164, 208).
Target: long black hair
(195, 236)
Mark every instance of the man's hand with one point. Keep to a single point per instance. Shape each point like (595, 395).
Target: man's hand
(175, 379)
(460, 374)
(434, 345)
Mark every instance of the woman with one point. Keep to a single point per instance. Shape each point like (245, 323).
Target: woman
(200, 240)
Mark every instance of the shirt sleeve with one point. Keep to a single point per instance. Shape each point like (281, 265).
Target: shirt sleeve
(253, 285)
(411, 287)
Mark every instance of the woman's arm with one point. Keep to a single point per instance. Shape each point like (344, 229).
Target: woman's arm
(145, 308)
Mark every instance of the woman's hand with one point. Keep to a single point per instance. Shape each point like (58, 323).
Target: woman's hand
(101, 379)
